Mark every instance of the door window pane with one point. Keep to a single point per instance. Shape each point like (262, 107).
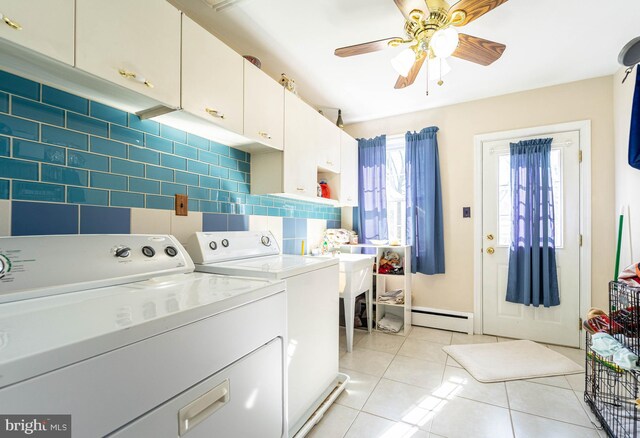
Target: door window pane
(505, 198)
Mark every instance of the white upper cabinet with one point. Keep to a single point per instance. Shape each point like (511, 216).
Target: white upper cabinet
(212, 78)
(45, 26)
(300, 130)
(135, 44)
(327, 145)
(348, 170)
(263, 107)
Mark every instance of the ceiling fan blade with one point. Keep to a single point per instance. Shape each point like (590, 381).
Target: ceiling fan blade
(402, 81)
(478, 50)
(359, 49)
(406, 6)
(472, 9)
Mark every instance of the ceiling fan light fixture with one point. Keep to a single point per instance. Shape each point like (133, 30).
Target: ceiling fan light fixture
(403, 61)
(444, 42)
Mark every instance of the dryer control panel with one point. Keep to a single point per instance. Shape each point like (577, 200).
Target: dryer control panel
(36, 266)
(224, 246)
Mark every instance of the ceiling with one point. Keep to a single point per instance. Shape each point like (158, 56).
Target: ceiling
(548, 42)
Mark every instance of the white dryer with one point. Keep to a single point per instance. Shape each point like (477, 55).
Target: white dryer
(312, 313)
(116, 331)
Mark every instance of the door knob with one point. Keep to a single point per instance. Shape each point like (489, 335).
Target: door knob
(490, 236)
(490, 250)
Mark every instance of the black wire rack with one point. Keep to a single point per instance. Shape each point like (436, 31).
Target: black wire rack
(611, 392)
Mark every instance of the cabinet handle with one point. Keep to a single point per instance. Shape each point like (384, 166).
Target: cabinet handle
(9, 22)
(330, 163)
(349, 198)
(300, 189)
(131, 75)
(214, 113)
(264, 135)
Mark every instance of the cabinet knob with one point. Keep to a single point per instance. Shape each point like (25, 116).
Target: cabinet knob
(214, 113)
(264, 135)
(134, 77)
(9, 22)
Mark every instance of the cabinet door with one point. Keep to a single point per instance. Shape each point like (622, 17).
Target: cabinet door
(263, 107)
(45, 26)
(211, 78)
(328, 144)
(135, 44)
(300, 131)
(348, 170)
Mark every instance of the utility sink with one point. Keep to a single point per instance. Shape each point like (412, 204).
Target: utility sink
(356, 277)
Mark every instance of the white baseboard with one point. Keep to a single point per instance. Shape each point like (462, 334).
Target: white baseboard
(442, 319)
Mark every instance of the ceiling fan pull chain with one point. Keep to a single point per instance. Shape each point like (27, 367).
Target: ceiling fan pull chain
(427, 74)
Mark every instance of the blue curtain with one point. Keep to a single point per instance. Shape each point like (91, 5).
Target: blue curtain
(533, 277)
(372, 196)
(634, 135)
(424, 202)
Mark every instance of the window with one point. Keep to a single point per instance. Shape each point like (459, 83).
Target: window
(504, 198)
(396, 202)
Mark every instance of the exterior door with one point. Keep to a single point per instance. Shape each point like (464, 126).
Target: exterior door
(557, 324)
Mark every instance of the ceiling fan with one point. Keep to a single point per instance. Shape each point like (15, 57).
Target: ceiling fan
(430, 32)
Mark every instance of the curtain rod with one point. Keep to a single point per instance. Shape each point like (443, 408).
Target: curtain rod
(563, 143)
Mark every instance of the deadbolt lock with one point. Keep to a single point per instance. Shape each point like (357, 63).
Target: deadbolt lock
(490, 236)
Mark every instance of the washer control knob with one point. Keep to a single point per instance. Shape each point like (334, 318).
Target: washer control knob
(266, 241)
(171, 251)
(3, 266)
(123, 252)
(148, 251)
(225, 243)
(213, 245)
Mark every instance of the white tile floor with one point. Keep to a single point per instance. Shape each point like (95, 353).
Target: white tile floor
(408, 387)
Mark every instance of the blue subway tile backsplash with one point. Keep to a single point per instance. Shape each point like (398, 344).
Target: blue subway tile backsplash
(16, 127)
(108, 114)
(64, 100)
(86, 160)
(4, 146)
(4, 102)
(30, 150)
(64, 137)
(19, 86)
(78, 195)
(4, 189)
(87, 124)
(11, 168)
(33, 191)
(37, 111)
(103, 146)
(64, 175)
(56, 147)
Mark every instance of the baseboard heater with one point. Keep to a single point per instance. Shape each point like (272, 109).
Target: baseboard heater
(442, 319)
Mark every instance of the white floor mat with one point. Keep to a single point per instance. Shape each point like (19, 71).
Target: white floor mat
(512, 360)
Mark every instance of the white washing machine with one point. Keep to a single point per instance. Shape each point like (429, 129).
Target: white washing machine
(312, 313)
(116, 331)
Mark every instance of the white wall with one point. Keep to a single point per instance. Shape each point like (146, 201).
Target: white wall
(627, 179)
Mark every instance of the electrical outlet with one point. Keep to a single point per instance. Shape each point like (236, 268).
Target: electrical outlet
(466, 211)
(182, 203)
